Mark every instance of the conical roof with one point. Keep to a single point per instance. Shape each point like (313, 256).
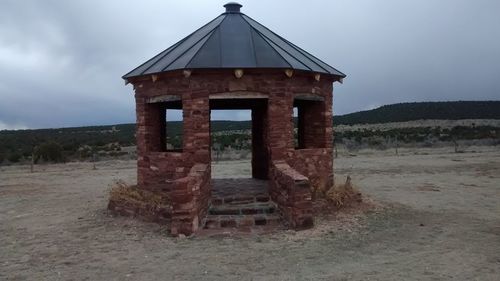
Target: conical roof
(233, 40)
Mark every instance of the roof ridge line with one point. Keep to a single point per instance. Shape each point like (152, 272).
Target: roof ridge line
(185, 51)
(267, 38)
(253, 42)
(159, 58)
(291, 44)
(309, 54)
(292, 56)
(262, 35)
(305, 55)
(212, 32)
(171, 47)
(220, 44)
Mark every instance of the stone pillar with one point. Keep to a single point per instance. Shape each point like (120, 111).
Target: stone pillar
(328, 127)
(187, 197)
(280, 124)
(196, 126)
(328, 117)
(260, 161)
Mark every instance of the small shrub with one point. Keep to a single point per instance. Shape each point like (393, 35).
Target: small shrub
(85, 151)
(49, 152)
(343, 195)
(14, 157)
(131, 195)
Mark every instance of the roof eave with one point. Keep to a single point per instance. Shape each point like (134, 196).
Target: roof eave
(130, 78)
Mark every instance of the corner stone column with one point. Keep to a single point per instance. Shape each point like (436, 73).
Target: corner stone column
(328, 136)
(328, 117)
(188, 202)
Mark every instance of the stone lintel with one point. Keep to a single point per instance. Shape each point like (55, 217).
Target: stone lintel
(238, 95)
(309, 97)
(163, 98)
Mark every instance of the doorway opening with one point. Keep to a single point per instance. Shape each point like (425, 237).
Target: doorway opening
(239, 148)
(239, 186)
(231, 143)
(245, 137)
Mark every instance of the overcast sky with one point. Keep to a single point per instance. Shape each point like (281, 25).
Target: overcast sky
(61, 62)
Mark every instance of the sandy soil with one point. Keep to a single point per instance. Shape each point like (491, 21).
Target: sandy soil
(438, 217)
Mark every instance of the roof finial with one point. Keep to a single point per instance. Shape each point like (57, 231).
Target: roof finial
(233, 7)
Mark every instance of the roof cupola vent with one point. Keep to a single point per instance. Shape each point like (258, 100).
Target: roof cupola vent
(233, 7)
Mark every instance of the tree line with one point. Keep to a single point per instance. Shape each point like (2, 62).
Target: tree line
(55, 145)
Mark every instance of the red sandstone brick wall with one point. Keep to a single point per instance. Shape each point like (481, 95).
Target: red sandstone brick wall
(190, 199)
(169, 172)
(291, 191)
(316, 164)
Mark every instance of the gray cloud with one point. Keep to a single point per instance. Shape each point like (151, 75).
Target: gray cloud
(61, 61)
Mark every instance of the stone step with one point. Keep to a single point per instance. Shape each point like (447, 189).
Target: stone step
(241, 221)
(239, 199)
(252, 208)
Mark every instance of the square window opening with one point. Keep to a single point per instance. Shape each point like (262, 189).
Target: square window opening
(309, 124)
(173, 130)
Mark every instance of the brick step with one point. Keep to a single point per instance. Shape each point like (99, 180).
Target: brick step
(239, 199)
(242, 221)
(243, 209)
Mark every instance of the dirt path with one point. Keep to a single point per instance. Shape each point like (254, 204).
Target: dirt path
(441, 220)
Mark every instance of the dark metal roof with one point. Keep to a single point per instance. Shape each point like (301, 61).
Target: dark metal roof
(233, 40)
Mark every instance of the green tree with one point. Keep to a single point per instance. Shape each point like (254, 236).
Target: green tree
(49, 152)
(14, 157)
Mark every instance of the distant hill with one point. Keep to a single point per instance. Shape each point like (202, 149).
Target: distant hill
(20, 143)
(15, 144)
(401, 112)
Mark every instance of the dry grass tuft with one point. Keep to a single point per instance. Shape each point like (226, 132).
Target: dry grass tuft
(336, 197)
(132, 196)
(343, 195)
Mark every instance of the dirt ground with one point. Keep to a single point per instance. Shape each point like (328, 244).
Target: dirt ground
(436, 216)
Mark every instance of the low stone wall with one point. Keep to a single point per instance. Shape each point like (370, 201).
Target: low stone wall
(190, 198)
(156, 170)
(182, 208)
(291, 192)
(316, 164)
